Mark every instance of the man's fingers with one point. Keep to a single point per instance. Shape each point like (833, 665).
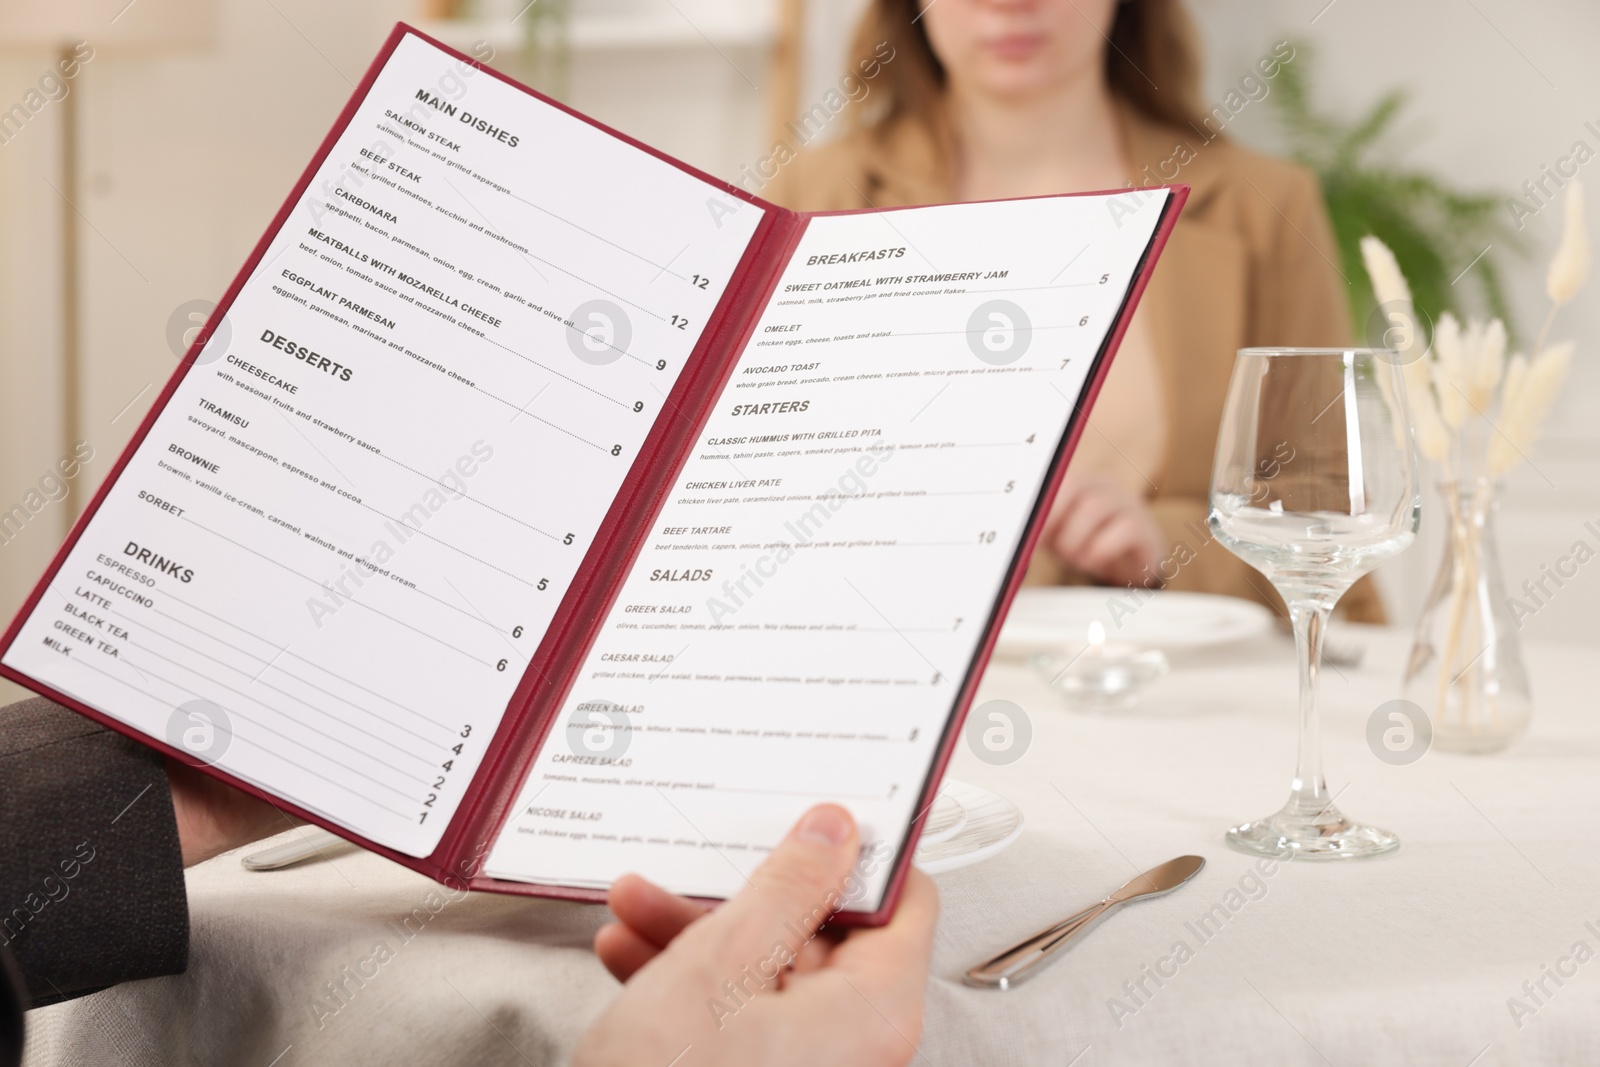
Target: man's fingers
(814, 956)
(213, 817)
(899, 951)
(801, 883)
(622, 950)
(876, 980)
(650, 911)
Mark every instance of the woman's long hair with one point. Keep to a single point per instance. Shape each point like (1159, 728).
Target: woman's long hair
(1152, 62)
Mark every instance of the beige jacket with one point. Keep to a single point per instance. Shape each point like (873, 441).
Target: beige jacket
(1252, 261)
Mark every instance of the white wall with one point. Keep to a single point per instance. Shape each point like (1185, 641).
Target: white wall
(186, 154)
(1498, 88)
(31, 431)
(1494, 96)
(184, 157)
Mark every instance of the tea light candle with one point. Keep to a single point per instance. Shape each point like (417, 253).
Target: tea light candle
(1101, 675)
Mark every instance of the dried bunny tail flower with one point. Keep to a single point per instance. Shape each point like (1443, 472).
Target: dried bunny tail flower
(1511, 390)
(1487, 347)
(1387, 281)
(1394, 295)
(1516, 376)
(1530, 390)
(1451, 374)
(1394, 299)
(1570, 266)
(1433, 439)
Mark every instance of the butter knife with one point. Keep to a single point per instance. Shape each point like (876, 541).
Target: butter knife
(1023, 960)
(311, 842)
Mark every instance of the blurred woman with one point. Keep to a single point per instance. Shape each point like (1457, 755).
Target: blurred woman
(985, 99)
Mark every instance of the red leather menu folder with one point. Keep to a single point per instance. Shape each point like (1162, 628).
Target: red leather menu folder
(435, 475)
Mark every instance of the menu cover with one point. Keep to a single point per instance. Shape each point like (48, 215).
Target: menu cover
(535, 508)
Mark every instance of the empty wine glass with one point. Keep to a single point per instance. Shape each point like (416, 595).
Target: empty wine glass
(1314, 485)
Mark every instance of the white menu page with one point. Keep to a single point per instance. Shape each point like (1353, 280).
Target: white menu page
(813, 593)
(326, 568)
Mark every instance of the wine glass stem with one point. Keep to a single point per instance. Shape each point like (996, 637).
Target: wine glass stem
(1310, 791)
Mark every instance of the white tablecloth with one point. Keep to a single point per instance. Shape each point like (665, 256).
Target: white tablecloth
(1410, 959)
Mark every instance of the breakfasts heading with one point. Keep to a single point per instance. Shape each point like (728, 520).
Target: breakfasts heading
(864, 256)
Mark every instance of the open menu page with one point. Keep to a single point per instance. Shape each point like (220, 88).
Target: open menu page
(814, 592)
(328, 564)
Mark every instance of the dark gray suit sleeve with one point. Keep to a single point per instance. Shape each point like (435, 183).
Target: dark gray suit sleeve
(11, 1000)
(91, 872)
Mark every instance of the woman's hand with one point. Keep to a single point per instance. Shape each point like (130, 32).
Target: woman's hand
(1104, 529)
(214, 817)
(752, 982)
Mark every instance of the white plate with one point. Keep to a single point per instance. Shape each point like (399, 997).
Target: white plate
(992, 822)
(944, 821)
(1045, 619)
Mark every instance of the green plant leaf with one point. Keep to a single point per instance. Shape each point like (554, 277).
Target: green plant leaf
(1436, 231)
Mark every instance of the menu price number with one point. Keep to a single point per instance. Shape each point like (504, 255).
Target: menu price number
(438, 783)
(700, 281)
(680, 322)
(516, 631)
(447, 766)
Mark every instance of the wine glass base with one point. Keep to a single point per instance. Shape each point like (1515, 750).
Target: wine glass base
(1322, 834)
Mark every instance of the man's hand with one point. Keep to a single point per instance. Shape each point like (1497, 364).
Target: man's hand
(751, 982)
(1102, 528)
(214, 817)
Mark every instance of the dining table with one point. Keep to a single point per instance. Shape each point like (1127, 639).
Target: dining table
(1474, 945)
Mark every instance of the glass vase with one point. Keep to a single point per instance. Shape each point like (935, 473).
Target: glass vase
(1465, 668)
